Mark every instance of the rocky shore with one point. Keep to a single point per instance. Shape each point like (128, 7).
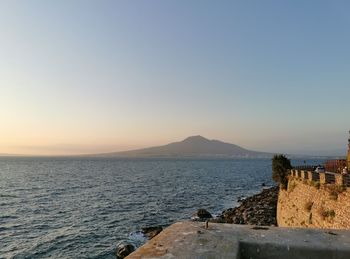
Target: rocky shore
(259, 209)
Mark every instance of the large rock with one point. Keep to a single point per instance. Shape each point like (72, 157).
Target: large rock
(124, 249)
(151, 232)
(201, 214)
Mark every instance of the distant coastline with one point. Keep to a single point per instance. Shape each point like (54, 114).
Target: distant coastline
(194, 147)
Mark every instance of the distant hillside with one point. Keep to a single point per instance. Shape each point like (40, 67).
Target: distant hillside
(195, 146)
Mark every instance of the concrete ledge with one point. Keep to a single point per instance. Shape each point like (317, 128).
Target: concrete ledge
(193, 240)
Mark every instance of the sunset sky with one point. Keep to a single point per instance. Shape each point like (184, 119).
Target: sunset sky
(98, 76)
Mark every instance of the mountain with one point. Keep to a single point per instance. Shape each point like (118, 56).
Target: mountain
(195, 146)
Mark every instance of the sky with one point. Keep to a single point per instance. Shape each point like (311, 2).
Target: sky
(86, 76)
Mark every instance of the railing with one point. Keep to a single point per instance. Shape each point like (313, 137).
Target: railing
(323, 178)
(346, 180)
(305, 167)
(315, 176)
(329, 178)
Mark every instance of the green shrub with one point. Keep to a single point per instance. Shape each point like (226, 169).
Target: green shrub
(315, 184)
(280, 169)
(334, 190)
(326, 213)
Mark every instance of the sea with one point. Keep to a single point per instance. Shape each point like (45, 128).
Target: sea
(83, 207)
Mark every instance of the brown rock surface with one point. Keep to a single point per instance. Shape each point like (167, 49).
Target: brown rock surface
(201, 214)
(123, 250)
(151, 232)
(259, 209)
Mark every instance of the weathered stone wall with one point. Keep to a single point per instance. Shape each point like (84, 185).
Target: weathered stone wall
(308, 203)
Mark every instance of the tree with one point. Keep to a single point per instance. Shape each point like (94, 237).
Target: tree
(280, 168)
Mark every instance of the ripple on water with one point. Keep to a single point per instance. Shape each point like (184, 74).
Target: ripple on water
(81, 208)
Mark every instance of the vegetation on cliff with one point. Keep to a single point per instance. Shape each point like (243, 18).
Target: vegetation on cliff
(260, 209)
(280, 167)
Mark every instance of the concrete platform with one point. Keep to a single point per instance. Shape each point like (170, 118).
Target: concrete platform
(193, 240)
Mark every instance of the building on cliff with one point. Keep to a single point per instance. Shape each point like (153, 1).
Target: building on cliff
(337, 165)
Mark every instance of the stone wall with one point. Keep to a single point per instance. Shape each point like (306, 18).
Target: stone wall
(310, 202)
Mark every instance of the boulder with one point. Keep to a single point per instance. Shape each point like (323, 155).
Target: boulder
(240, 198)
(151, 232)
(124, 249)
(201, 214)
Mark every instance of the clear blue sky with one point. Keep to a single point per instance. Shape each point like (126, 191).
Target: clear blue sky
(96, 76)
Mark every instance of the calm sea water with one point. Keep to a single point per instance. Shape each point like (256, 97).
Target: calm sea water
(81, 208)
